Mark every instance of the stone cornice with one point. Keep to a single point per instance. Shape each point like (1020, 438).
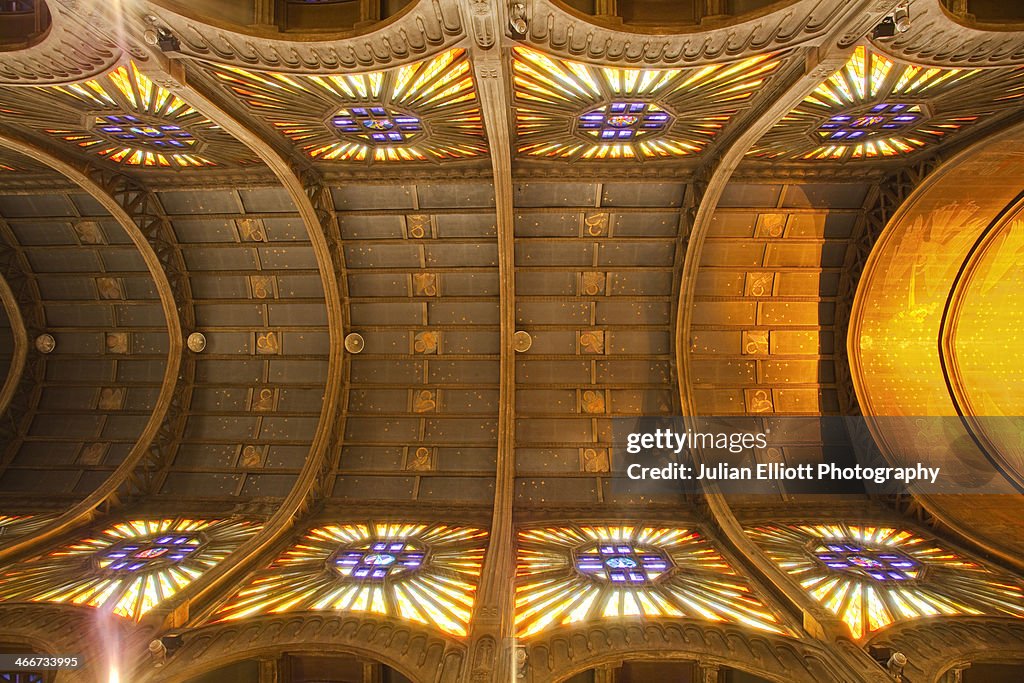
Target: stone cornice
(803, 22)
(68, 53)
(426, 28)
(936, 38)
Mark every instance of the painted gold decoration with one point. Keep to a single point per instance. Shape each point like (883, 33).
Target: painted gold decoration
(117, 342)
(267, 343)
(759, 400)
(755, 342)
(424, 284)
(109, 288)
(592, 401)
(595, 460)
(111, 398)
(592, 341)
(522, 341)
(759, 284)
(425, 401)
(425, 342)
(592, 283)
(421, 460)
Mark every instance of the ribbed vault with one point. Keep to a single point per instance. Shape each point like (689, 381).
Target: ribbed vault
(673, 214)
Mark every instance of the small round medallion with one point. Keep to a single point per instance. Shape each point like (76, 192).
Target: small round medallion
(45, 343)
(354, 342)
(522, 341)
(196, 342)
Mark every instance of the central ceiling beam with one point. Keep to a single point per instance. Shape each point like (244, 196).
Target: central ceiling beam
(492, 647)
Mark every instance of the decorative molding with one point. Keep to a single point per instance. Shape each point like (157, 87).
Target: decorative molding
(21, 298)
(936, 38)
(777, 658)
(430, 27)
(70, 52)
(420, 654)
(57, 630)
(112, 195)
(937, 644)
(804, 22)
(143, 206)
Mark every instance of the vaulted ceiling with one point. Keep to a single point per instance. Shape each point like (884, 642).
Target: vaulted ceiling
(431, 258)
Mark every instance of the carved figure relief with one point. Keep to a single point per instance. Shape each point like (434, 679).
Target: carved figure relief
(117, 342)
(422, 460)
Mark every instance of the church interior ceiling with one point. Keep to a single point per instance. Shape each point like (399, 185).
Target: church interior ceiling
(320, 318)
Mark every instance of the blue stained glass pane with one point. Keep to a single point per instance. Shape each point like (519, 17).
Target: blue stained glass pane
(898, 107)
(625, 133)
(359, 111)
(880, 107)
(607, 134)
(617, 107)
(378, 111)
(639, 106)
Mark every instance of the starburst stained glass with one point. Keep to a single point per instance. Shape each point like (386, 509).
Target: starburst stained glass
(424, 111)
(422, 573)
(133, 121)
(571, 110)
(875, 108)
(129, 568)
(576, 574)
(872, 576)
(377, 125)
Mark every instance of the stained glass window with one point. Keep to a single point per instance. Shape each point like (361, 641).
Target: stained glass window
(129, 568)
(22, 677)
(623, 121)
(425, 111)
(19, 525)
(874, 108)
(377, 125)
(572, 574)
(874, 576)
(423, 573)
(136, 122)
(616, 113)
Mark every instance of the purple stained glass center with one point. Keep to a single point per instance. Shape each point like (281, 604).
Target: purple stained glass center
(622, 121)
(377, 125)
(879, 121)
(880, 564)
(131, 130)
(378, 560)
(622, 563)
(147, 553)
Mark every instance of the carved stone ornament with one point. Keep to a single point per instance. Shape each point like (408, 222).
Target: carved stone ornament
(354, 342)
(45, 343)
(522, 341)
(196, 342)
